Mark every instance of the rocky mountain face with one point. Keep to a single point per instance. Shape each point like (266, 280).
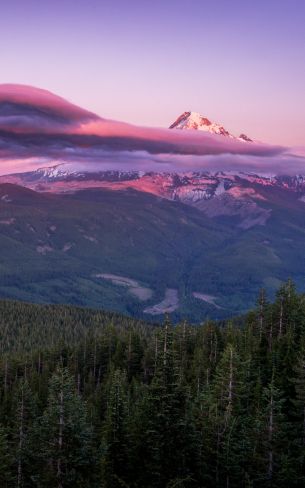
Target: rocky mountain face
(195, 121)
(154, 250)
(195, 244)
(215, 194)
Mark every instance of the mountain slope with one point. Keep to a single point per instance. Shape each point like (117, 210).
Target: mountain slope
(195, 121)
(214, 194)
(133, 252)
(59, 247)
(95, 224)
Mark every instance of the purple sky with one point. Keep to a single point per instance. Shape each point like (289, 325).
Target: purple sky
(240, 62)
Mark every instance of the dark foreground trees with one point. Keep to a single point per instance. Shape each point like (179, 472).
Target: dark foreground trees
(110, 402)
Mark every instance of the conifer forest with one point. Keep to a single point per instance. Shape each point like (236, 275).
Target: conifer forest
(94, 399)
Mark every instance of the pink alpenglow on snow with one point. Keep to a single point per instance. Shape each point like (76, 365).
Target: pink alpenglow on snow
(195, 121)
(38, 129)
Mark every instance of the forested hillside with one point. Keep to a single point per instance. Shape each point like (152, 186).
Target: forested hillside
(141, 255)
(91, 399)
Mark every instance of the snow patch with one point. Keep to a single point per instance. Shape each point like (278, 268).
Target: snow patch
(141, 292)
(206, 298)
(29, 226)
(44, 249)
(169, 304)
(196, 121)
(6, 199)
(220, 188)
(90, 238)
(67, 247)
(8, 221)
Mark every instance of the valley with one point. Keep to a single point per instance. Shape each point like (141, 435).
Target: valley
(189, 220)
(128, 250)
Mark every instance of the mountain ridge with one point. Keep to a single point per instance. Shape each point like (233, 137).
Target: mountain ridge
(143, 239)
(195, 121)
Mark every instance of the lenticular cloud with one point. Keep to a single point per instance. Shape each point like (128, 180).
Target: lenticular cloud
(37, 126)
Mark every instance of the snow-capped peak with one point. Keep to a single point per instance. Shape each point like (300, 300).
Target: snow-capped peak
(54, 171)
(196, 121)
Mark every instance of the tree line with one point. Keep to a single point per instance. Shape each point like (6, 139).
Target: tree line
(90, 399)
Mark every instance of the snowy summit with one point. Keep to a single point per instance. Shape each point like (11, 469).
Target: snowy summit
(193, 120)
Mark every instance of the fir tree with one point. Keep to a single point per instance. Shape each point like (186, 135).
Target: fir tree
(6, 460)
(114, 447)
(64, 436)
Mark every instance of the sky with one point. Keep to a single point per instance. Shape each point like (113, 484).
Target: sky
(239, 62)
(39, 129)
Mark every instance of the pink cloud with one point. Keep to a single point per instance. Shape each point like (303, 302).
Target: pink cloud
(37, 97)
(37, 126)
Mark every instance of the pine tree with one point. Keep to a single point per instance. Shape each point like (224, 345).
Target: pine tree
(114, 447)
(226, 407)
(64, 437)
(168, 439)
(273, 431)
(6, 460)
(25, 410)
(262, 311)
(299, 418)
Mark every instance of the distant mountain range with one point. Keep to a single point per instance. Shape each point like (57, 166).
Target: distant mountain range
(197, 243)
(241, 195)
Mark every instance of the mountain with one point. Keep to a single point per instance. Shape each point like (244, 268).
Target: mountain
(118, 250)
(39, 129)
(195, 121)
(138, 220)
(193, 245)
(217, 193)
